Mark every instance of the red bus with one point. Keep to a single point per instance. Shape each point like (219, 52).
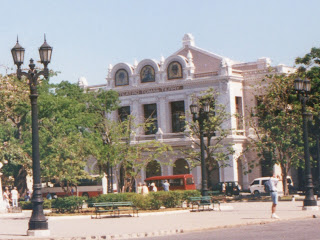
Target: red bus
(177, 182)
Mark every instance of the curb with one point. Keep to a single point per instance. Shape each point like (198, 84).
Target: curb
(165, 232)
(247, 224)
(115, 236)
(140, 215)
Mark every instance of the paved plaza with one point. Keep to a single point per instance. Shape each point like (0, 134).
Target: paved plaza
(14, 226)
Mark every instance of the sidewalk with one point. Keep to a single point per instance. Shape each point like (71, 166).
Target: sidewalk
(14, 226)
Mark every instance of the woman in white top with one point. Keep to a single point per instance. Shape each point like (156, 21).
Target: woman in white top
(154, 188)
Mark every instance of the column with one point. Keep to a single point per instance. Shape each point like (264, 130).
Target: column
(136, 111)
(163, 114)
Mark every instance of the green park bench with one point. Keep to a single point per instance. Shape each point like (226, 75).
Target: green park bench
(201, 202)
(114, 208)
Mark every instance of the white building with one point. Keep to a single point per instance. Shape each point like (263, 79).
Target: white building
(164, 88)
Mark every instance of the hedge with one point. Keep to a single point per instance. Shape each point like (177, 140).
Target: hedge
(28, 205)
(152, 201)
(68, 204)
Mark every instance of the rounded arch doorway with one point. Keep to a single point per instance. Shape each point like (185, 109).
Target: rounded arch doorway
(153, 168)
(181, 166)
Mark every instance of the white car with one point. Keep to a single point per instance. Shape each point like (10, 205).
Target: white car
(257, 185)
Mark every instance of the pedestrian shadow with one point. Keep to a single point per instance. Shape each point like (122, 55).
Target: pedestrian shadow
(255, 218)
(13, 235)
(15, 218)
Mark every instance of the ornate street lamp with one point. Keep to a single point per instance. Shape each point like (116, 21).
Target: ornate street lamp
(303, 88)
(200, 114)
(38, 225)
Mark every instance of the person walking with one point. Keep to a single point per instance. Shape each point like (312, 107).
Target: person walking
(145, 189)
(223, 188)
(14, 197)
(154, 187)
(166, 185)
(6, 197)
(273, 183)
(139, 188)
(27, 197)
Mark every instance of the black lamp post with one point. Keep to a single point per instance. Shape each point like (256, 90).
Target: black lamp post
(317, 127)
(303, 88)
(37, 220)
(200, 115)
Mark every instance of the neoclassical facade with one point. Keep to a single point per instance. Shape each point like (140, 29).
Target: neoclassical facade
(163, 89)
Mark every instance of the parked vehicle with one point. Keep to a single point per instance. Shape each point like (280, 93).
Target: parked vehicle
(257, 185)
(177, 182)
(86, 188)
(231, 188)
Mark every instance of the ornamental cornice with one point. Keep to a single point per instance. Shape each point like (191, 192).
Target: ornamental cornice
(169, 86)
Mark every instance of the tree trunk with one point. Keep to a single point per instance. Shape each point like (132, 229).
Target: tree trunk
(284, 182)
(20, 181)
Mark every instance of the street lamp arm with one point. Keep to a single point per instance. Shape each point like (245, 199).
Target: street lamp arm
(32, 74)
(44, 72)
(20, 73)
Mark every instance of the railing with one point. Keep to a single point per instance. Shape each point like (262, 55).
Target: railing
(159, 136)
(207, 74)
(168, 137)
(238, 132)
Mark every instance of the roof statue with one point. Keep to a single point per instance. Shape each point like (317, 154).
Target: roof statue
(188, 40)
(82, 82)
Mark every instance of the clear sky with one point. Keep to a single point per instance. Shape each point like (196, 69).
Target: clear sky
(87, 36)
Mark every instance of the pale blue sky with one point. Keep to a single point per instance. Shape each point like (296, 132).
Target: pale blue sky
(87, 36)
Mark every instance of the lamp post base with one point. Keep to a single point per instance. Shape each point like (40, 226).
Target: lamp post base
(38, 233)
(310, 208)
(310, 203)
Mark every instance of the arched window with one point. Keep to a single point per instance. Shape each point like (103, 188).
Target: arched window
(153, 169)
(121, 78)
(147, 74)
(181, 166)
(174, 70)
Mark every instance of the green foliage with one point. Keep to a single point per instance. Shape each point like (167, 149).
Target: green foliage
(68, 204)
(28, 205)
(67, 125)
(277, 124)
(113, 145)
(216, 148)
(169, 199)
(309, 67)
(14, 130)
(121, 197)
(152, 201)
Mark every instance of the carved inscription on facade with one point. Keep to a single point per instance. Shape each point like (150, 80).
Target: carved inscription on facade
(150, 90)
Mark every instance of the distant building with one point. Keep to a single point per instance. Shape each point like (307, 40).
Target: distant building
(163, 89)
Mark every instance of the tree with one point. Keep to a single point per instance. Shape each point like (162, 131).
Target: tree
(66, 123)
(277, 124)
(114, 145)
(15, 122)
(217, 148)
(135, 155)
(309, 67)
